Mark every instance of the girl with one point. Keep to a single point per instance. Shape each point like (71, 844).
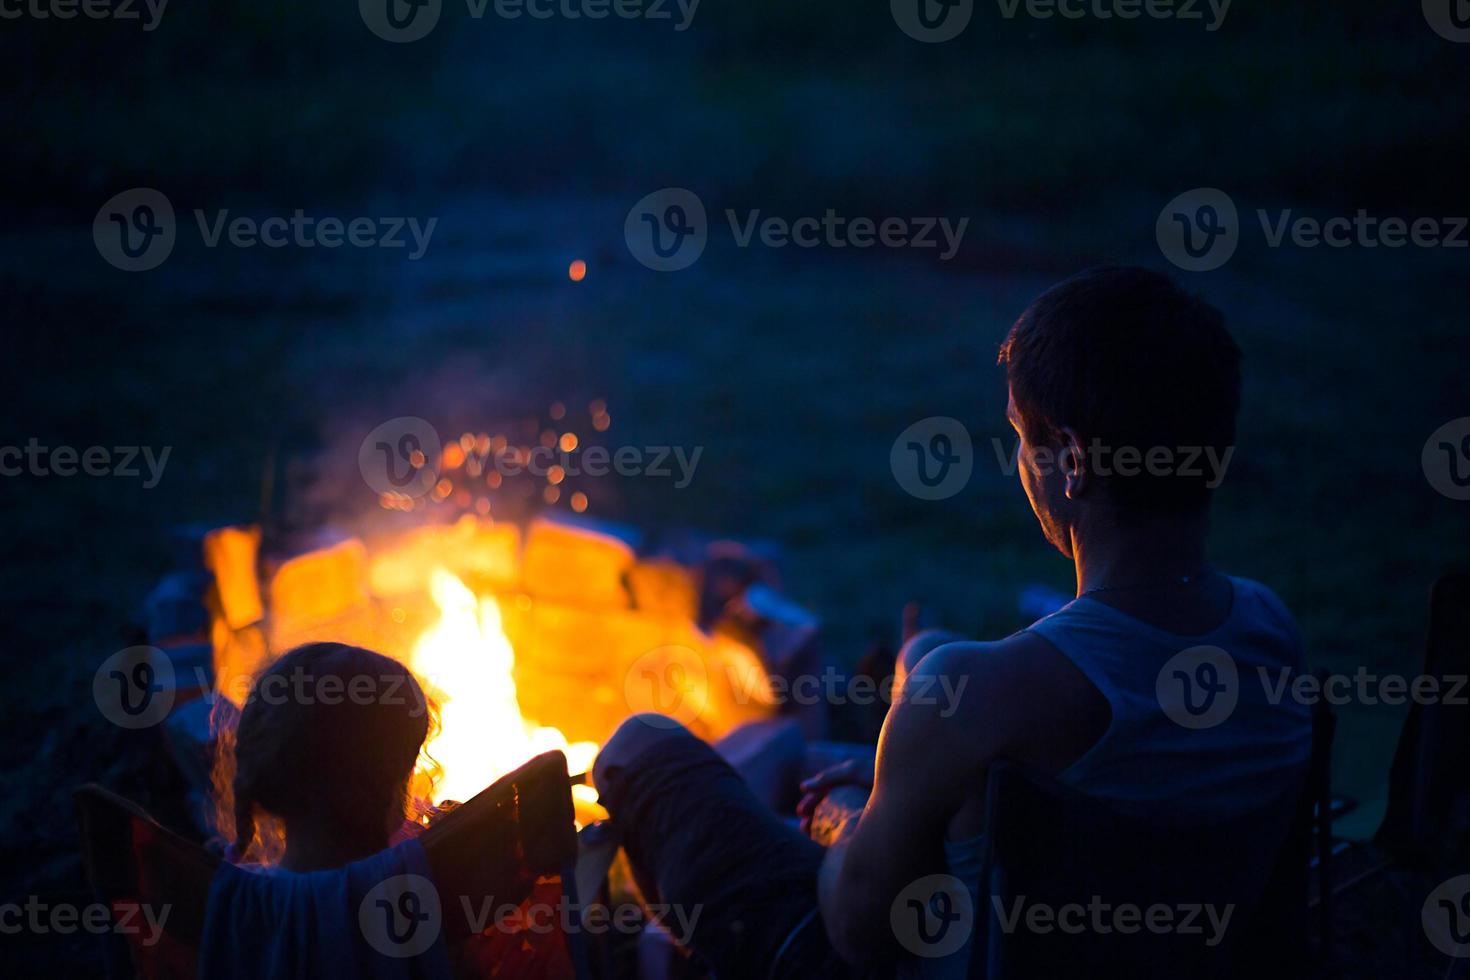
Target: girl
(316, 773)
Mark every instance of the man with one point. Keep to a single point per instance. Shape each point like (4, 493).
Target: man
(1124, 392)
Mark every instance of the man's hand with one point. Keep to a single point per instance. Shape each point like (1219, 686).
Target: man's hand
(852, 773)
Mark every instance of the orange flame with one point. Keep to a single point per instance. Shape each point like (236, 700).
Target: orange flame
(467, 662)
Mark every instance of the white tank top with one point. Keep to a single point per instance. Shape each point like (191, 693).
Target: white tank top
(1185, 738)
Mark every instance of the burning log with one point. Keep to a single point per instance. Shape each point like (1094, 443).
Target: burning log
(481, 552)
(576, 566)
(231, 554)
(317, 586)
(664, 587)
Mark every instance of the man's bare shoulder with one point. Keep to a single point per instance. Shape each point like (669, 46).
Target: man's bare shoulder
(1008, 697)
(1020, 658)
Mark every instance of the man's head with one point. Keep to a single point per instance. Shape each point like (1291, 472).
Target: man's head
(1124, 390)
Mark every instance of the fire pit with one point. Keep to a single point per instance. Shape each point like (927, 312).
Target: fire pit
(528, 638)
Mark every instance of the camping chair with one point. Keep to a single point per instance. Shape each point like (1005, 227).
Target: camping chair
(134, 861)
(512, 843)
(1048, 844)
(1428, 815)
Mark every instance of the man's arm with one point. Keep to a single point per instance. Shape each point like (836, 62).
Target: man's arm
(925, 768)
(962, 706)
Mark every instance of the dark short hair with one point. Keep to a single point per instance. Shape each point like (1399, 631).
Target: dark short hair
(1126, 357)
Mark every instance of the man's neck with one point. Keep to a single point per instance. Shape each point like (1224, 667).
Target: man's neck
(1131, 553)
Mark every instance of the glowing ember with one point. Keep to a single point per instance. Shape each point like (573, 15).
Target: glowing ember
(467, 663)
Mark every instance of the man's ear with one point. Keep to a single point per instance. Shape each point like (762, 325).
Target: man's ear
(1072, 464)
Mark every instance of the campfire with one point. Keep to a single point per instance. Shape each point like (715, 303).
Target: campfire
(527, 639)
(468, 665)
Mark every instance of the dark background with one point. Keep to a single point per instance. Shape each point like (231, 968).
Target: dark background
(794, 369)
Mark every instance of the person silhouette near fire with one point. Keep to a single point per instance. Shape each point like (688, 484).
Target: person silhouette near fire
(1121, 385)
